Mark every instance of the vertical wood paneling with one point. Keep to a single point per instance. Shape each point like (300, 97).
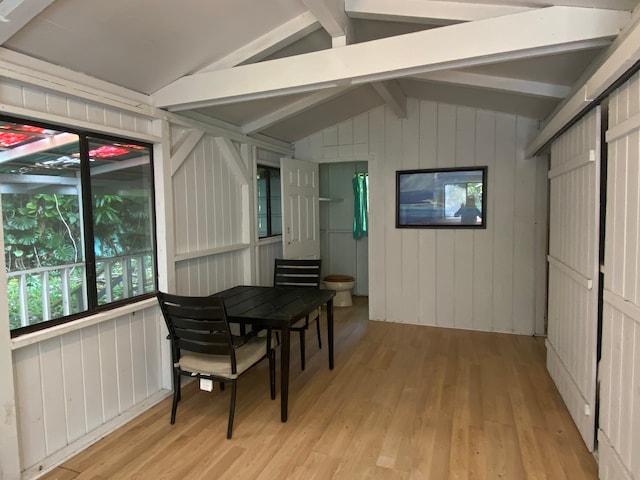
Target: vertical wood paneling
(427, 238)
(124, 357)
(29, 393)
(410, 268)
(267, 253)
(53, 393)
(207, 202)
(456, 278)
(463, 243)
(71, 386)
(139, 360)
(109, 370)
(524, 230)
(503, 218)
(483, 251)
(224, 271)
(377, 216)
(200, 191)
(67, 107)
(91, 377)
(393, 237)
(74, 387)
(445, 263)
(573, 242)
(153, 330)
(619, 433)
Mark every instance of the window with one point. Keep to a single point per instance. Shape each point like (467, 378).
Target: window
(269, 202)
(78, 223)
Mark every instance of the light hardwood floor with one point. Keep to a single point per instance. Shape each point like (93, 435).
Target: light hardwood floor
(403, 402)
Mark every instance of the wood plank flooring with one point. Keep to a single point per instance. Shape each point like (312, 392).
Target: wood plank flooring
(403, 402)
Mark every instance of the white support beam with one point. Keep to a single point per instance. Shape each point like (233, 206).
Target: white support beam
(426, 11)
(233, 159)
(474, 43)
(185, 148)
(503, 84)
(271, 42)
(393, 95)
(53, 141)
(330, 14)
(623, 56)
(291, 109)
(15, 14)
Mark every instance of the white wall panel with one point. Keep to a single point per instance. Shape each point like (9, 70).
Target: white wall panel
(573, 271)
(457, 278)
(210, 274)
(267, 253)
(208, 200)
(619, 433)
(69, 386)
(69, 110)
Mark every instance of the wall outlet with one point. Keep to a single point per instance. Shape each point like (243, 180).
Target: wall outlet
(587, 409)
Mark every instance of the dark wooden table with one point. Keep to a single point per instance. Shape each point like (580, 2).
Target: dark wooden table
(278, 308)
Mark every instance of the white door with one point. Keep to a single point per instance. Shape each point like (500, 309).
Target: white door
(300, 209)
(574, 223)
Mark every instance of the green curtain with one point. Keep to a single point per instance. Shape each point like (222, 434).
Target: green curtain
(360, 205)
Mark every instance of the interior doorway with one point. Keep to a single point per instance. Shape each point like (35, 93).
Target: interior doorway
(340, 252)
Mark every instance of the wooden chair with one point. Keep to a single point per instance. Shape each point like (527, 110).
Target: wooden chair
(203, 347)
(300, 273)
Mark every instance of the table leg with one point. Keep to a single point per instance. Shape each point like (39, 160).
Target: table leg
(330, 331)
(284, 373)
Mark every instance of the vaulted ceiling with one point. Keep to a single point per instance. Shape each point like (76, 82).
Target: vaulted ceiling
(288, 68)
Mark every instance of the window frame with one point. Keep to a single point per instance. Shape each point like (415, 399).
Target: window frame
(270, 233)
(90, 262)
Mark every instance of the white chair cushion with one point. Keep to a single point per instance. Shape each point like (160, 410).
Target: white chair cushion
(220, 365)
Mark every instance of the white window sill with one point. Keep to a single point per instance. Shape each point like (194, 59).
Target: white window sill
(59, 330)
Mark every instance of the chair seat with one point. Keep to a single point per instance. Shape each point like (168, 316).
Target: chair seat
(219, 365)
(300, 324)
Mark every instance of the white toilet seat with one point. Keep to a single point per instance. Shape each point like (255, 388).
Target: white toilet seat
(342, 284)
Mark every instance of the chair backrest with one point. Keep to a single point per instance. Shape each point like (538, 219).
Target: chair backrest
(296, 273)
(197, 324)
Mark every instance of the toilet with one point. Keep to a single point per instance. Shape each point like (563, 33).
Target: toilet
(342, 284)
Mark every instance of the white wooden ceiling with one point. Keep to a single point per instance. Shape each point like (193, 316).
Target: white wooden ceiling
(288, 68)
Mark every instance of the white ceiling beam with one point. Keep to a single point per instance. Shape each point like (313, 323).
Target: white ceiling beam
(618, 61)
(276, 39)
(331, 15)
(426, 11)
(503, 84)
(393, 95)
(291, 109)
(521, 35)
(38, 146)
(15, 14)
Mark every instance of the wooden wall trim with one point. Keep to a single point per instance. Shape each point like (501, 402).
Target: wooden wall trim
(623, 129)
(581, 160)
(211, 251)
(622, 304)
(570, 272)
(58, 330)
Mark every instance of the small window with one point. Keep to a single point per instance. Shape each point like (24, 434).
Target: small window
(78, 223)
(269, 202)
